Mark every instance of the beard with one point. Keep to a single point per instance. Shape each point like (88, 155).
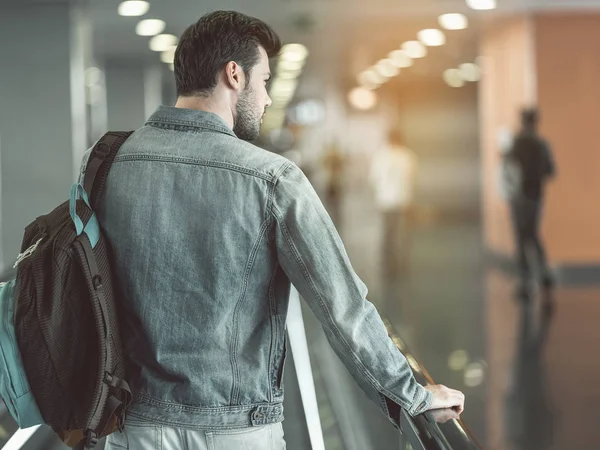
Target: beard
(246, 123)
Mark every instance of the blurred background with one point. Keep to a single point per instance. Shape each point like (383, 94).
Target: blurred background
(399, 113)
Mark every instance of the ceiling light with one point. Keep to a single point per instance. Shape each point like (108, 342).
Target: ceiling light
(361, 98)
(453, 78)
(284, 65)
(386, 68)
(453, 21)
(474, 374)
(150, 27)
(432, 37)
(294, 52)
(400, 59)
(470, 72)
(481, 5)
(370, 77)
(414, 49)
(458, 360)
(168, 56)
(288, 74)
(162, 42)
(283, 87)
(133, 8)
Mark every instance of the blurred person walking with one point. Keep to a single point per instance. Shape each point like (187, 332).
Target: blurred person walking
(334, 162)
(392, 176)
(207, 233)
(527, 166)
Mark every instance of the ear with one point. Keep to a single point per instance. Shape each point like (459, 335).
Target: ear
(234, 75)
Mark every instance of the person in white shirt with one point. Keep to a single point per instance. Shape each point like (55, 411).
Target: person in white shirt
(392, 177)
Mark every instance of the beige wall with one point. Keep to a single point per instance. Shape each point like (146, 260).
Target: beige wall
(568, 63)
(551, 60)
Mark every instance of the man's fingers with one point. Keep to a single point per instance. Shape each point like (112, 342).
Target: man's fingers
(459, 399)
(444, 397)
(455, 399)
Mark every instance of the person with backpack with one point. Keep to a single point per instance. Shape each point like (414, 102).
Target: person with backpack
(160, 288)
(528, 165)
(208, 232)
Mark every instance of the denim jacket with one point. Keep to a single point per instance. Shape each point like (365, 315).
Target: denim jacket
(207, 233)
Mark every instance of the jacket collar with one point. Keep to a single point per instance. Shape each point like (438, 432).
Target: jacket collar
(170, 115)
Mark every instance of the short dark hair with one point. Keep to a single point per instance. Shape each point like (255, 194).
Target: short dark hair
(530, 117)
(216, 39)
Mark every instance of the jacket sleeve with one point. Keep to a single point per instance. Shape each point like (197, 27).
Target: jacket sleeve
(312, 255)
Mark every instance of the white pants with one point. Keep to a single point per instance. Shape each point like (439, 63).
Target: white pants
(146, 436)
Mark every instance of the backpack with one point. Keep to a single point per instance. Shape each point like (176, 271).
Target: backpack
(512, 178)
(65, 318)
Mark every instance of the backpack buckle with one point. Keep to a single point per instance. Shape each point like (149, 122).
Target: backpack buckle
(109, 379)
(91, 439)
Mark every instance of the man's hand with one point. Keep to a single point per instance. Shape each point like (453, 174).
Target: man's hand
(444, 397)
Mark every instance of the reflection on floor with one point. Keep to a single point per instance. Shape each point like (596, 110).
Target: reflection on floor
(529, 370)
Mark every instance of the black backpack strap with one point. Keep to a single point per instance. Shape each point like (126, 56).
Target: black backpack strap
(99, 163)
(115, 394)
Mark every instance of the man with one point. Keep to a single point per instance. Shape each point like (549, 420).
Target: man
(207, 233)
(334, 163)
(392, 176)
(530, 162)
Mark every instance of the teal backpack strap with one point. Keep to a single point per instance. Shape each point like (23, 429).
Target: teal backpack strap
(92, 228)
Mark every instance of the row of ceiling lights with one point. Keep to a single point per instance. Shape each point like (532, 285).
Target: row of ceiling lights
(467, 72)
(390, 67)
(159, 42)
(364, 98)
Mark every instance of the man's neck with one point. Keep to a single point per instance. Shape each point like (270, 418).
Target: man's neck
(212, 104)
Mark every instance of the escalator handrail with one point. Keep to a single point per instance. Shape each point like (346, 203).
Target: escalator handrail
(423, 432)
